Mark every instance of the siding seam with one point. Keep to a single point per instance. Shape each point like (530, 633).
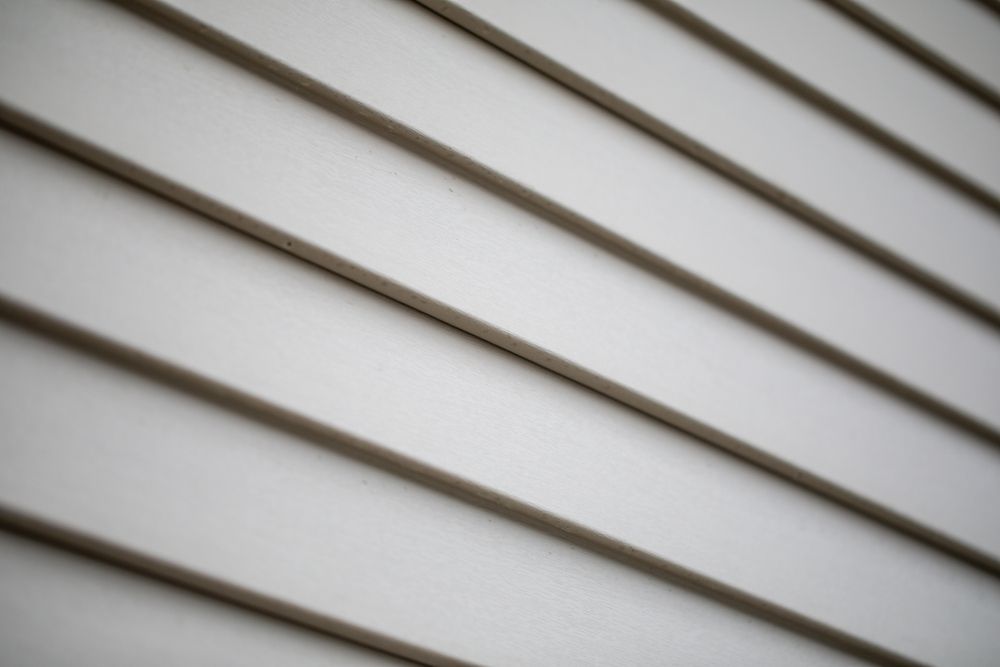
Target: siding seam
(366, 451)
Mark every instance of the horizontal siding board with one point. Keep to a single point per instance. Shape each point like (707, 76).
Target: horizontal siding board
(675, 209)
(104, 451)
(671, 83)
(235, 311)
(963, 33)
(60, 608)
(333, 190)
(826, 49)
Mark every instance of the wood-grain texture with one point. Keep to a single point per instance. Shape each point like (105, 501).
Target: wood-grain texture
(376, 212)
(647, 197)
(437, 399)
(337, 322)
(178, 480)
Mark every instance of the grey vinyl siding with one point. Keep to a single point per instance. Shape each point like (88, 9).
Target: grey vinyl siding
(479, 333)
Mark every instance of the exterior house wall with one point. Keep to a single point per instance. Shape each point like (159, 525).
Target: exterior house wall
(481, 332)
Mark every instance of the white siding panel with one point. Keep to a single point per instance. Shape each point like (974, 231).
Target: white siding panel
(132, 463)
(962, 32)
(677, 81)
(637, 189)
(60, 609)
(826, 49)
(335, 189)
(219, 304)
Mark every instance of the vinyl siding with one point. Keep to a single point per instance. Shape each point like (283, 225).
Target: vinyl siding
(679, 85)
(870, 77)
(343, 314)
(112, 616)
(959, 38)
(310, 529)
